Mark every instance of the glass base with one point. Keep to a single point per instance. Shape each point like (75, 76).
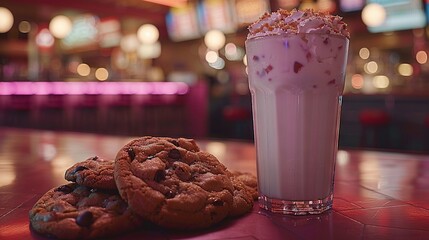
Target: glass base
(296, 207)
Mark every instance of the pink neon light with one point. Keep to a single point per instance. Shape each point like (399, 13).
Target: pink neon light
(101, 88)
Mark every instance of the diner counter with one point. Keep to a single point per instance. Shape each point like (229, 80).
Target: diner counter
(378, 195)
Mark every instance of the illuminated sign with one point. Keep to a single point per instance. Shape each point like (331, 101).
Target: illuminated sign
(400, 15)
(109, 32)
(84, 32)
(182, 23)
(249, 11)
(217, 14)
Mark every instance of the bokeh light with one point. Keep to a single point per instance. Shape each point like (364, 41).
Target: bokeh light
(211, 56)
(230, 49)
(214, 39)
(357, 81)
(364, 53)
(381, 81)
(101, 74)
(24, 27)
(373, 15)
(83, 69)
(405, 69)
(60, 26)
(233, 52)
(6, 21)
(44, 38)
(130, 43)
(148, 34)
(421, 57)
(218, 64)
(149, 51)
(371, 67)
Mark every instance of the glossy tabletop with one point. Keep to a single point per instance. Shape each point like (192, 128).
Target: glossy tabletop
(378, 195)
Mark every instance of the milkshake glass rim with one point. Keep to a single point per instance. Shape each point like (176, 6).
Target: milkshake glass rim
(283, 35)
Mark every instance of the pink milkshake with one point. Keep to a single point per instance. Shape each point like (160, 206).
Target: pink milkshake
(296, 67)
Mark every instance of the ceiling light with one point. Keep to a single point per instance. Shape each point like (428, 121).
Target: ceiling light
(6, 20)
(148, 34)
(60, 26)
(373, 15)
(214, 39)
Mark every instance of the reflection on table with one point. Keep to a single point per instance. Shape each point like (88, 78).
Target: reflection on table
(378, 195)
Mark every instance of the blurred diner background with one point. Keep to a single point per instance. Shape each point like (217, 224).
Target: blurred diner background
(178, 68)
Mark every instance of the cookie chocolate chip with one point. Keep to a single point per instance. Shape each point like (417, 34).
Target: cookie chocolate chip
(93, 172)
(181, 187)
(76, 212)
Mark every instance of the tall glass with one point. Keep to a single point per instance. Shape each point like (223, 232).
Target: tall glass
(296, 82)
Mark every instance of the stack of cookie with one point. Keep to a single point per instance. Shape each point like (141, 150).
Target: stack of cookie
(167, 181)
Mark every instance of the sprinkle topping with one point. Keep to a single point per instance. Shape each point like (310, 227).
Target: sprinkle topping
(297, 21)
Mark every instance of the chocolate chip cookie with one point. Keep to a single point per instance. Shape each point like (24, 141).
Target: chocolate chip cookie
(78, 212)
(249, 181)
(94, 172)
(172, 183)
(242, 198)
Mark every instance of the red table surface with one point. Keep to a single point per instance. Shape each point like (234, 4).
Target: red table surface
(378, 195)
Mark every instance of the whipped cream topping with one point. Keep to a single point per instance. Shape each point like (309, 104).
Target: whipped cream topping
(297, 21)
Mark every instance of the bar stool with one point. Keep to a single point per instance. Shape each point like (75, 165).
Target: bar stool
(374, 123)
(119, 116)
(51, 113)
(426, 124)
(239, 121)
(18, 111)
(162, 115)
(86, 114)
